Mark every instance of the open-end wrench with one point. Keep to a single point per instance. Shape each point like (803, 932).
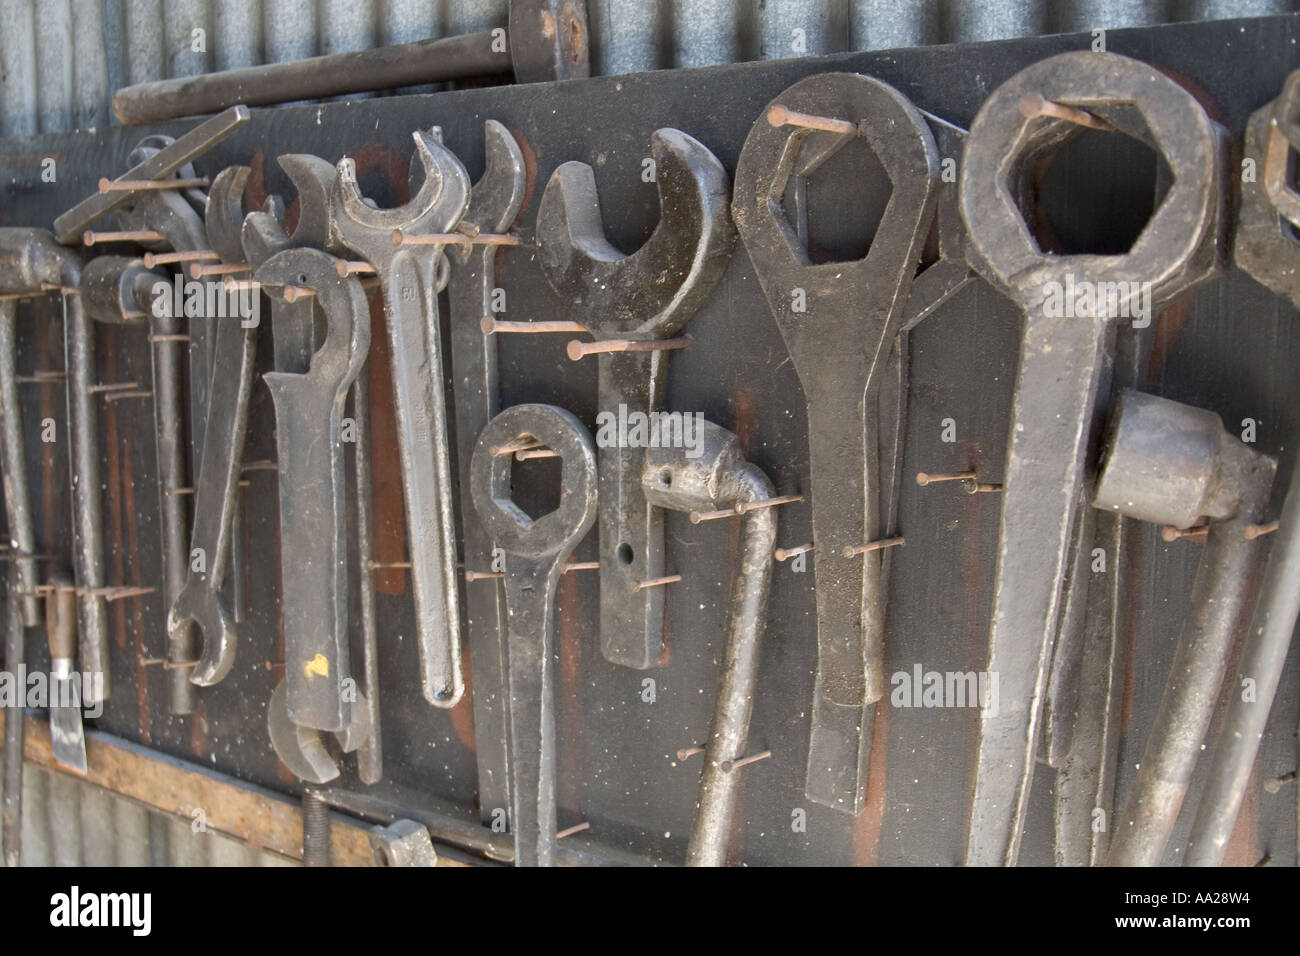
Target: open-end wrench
(650, 294)
(234, 345)
(839, 346)
(535, 553)
(407, 275)
(313, 500)
(171, 214)
(28, 259)
(494, 202)
(1063, 361)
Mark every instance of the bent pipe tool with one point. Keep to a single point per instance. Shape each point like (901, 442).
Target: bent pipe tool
(29, 259)
(495, 201)
(840, 346)
(200, 600)
(535, 553)
(648, 295)
(1176, 465)
(172, 215)
(720, 477)
(313, 521)
(1063, 362)
(1265, 249)
(407, 275)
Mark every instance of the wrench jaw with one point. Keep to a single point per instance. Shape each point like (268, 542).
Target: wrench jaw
(202, 605)
(309, 409)
(535, 552)
(262, 234)
(650, 294)
(224, 215)
(840, 354)
(495, 200)
(407, 279)
(1063, 367)
(302, 749)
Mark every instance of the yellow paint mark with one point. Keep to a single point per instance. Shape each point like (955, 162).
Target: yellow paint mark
(318, 665)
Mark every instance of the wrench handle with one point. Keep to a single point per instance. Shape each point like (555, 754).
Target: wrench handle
(313, 550)
(18, 508)
(530, 594)
(631, 387)
(1062, 362)
(411, 310)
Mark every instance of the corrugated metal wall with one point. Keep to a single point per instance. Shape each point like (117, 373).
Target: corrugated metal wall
(67, 822)
(60, 60)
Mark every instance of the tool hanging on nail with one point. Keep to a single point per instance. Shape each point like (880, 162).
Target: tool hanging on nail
(708, 476)
(1063, 361)
(633, 305)
(839, 321)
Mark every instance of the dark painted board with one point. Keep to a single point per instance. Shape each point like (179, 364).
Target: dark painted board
(1234, 352)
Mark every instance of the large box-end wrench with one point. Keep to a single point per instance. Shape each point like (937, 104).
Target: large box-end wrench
(648, 295)
(839, 346)
(313, 501)
(407, 275)
(216, 488)
(494, 203)
(1064, 356)
(535, 553)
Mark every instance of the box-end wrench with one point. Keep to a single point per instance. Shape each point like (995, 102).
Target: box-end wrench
(29, 258)
(494, 203)
(201, 601)
(839, 346)
(535, 553)
(1063, 360)
(650, 294)
(313, 501)
(407, 275)
(717, 477)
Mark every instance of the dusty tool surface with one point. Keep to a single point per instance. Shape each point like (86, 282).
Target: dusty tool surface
(1231, 348)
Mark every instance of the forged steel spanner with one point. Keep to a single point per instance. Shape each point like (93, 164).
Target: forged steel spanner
(407, 275)
(535, 553)
(839, 344)
(650, 294)
(1063, 361)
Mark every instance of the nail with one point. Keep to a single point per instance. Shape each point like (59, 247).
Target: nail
(380, 565)
(134, 185)
(730, 765)
(698, 516)
(293, 293)
(181, 491)
(117, 396)
(90, 237)
(116, 593)
(240, 285)
(577, 350)
(924, 479)
(1170, 533)
(346, 269)
(198, 270)
(536, 453)
(581, 566)
(430, 239)
(689, 752)
(175, 337)
(164, 258)
(260, 464)
(1037, 105)
(491, 326)
(972, 487)
(1277, 783)
(656, 582)
(570, 831)
(783, 116)
(781, 554)
(483, 575)
(518, 445)
(855, 549)
(113, 387)
(42, 378)
(744, 507)
(1254, 531)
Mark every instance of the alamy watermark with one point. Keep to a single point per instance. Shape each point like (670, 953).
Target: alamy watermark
(40, 690)
(922, 688)
(637, 429)
(194, 298)
(1086, 299)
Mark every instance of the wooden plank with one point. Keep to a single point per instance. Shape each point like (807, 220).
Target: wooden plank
(258, 817)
